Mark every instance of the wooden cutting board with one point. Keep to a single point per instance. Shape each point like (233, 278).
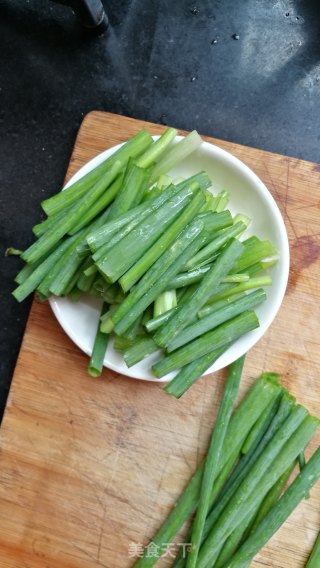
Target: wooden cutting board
(90, 468)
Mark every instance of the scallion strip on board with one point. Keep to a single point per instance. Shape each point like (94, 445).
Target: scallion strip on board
(213, 458)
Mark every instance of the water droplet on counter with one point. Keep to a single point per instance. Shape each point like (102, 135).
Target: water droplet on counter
(214, 41)
(235, 36)
(193, 79)
(194, 11)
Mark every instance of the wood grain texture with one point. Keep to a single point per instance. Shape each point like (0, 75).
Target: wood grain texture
(89, 466)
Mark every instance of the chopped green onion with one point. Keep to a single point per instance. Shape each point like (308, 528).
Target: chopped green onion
(214, 457)
(99, 349)
(176, 154)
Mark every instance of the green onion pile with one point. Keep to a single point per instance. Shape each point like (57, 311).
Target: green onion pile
(238, 494)
(171, 264)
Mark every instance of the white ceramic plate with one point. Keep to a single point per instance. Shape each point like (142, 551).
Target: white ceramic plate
(249, 196)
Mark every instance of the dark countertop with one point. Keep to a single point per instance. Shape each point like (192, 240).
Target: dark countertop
(176, 63)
